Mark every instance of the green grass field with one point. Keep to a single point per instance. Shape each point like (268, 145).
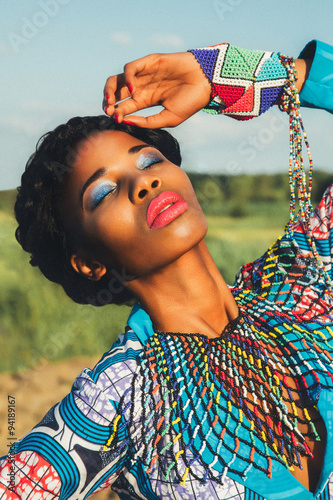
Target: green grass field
(39, 323)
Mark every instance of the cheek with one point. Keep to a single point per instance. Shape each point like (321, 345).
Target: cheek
(123, 244)
(111, 238)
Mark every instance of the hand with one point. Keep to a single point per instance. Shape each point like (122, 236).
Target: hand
(174, 81)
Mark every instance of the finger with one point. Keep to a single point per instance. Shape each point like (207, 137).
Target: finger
(115, 90)
(128, 107)
(135, 69)
(108, 109)
(110, 88)
(163, 119)
(115, 87)
(122, 94)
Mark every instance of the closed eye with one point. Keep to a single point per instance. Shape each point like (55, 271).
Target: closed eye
(147, 160)
(99, 193)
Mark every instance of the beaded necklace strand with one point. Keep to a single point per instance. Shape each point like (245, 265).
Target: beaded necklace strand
(290, 103)
(212, 406)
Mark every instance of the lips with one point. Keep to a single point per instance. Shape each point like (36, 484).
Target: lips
(165, 208)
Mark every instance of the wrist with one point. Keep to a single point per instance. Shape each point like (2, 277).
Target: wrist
(303, 67)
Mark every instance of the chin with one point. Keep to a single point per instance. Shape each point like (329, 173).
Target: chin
(193, 227)
(187, 236)
(190, 234)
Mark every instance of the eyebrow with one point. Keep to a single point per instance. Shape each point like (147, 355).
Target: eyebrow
(102, 171)
(136, 149)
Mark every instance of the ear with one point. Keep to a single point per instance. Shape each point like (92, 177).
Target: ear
(91, 269)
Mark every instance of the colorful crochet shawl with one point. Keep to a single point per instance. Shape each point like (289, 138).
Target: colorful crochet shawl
(186, 409)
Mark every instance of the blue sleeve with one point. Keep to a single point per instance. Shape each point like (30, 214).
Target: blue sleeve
(318, 88)
(68, 451)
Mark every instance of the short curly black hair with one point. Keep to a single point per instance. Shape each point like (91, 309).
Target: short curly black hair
(41, 230)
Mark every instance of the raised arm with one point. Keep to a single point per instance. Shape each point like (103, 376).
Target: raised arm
(220, 79)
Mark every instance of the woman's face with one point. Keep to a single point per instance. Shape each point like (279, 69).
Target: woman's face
(135, 210)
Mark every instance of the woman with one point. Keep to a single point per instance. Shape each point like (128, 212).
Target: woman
(229, 407)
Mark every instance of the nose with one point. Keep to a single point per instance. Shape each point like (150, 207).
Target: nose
(143, 185)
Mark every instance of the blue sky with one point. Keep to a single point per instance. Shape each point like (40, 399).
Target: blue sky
(56, 54)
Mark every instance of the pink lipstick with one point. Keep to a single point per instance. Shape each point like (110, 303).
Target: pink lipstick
(165, 208)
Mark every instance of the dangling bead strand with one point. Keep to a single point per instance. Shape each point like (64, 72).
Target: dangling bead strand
(290, 103)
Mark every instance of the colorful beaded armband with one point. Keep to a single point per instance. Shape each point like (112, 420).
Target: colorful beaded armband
(245, 83)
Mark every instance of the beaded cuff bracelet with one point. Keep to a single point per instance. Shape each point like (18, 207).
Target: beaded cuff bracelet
(245, 83)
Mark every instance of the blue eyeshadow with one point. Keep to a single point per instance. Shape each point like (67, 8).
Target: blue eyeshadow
(146, 160)
(98, 193)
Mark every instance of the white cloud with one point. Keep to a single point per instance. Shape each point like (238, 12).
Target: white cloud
(167, 40)
(36, 117)
(4, 49)
(205, 129)
(31, 126)
(38, 106)
(121, 38)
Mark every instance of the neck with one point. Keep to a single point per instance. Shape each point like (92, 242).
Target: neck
(188, 295)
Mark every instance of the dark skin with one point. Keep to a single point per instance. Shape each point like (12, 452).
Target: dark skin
(167, 264)
(172, 273)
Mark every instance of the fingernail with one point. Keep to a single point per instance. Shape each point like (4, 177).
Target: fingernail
(130, 88)
(129, 123)
(107, 97)
(106, 108)
(116, 118)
